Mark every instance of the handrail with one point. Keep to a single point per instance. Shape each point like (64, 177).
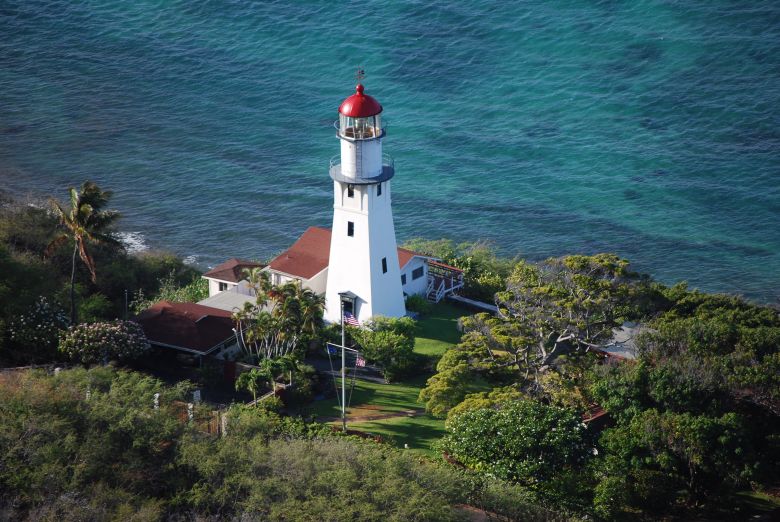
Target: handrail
(387, 160)
(440, 292)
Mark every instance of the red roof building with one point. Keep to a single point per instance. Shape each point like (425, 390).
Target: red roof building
(228, 275)
(310, 254)
(188, 327)
(232, 270)
(307, 257)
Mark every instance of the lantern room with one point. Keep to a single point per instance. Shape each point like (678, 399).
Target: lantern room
(360, 117)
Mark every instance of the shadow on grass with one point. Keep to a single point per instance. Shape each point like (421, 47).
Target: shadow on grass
(419, 433)
(438, 331)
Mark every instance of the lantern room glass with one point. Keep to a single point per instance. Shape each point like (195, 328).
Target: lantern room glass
(360, 128)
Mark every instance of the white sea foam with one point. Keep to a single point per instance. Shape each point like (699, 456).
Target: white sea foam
(190, 260)
(134, 241)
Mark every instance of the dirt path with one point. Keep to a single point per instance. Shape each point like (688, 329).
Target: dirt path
(374, 417)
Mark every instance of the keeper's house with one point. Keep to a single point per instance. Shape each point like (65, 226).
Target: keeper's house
(307, 261)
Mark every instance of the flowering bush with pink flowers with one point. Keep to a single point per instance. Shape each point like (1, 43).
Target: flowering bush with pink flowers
(95, 342)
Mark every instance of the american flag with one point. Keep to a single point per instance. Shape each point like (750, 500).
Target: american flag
(360, 362)
(351, 319)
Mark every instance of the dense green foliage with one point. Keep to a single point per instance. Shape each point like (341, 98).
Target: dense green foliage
(172, 290)
(388, 343)
(697, 414)
(693, 419)
(561, 306)
(418, 303)
(90, 445)
(526, 441)
(27, 274)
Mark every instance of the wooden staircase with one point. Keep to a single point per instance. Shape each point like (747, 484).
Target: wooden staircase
(442, 280)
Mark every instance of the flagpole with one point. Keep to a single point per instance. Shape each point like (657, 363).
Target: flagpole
(343, 372)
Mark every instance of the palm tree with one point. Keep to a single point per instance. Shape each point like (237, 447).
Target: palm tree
(84, 221)
(252, 381)
(281, 317)
(312, 309)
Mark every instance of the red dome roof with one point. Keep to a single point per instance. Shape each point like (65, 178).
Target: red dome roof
(360, 105)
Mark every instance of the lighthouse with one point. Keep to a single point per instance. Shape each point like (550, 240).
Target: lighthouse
(363, 273)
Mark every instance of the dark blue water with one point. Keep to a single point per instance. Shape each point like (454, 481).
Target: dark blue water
(646, 128)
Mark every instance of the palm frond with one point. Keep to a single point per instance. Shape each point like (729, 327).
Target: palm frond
(55, 243)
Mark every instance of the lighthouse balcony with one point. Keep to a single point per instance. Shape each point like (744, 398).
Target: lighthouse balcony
(357, 178)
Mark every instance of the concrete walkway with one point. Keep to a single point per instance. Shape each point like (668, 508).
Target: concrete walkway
(487, 307)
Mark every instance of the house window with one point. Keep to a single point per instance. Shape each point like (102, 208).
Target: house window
(403, 279)
(417, 273)
(222, 287)
(350, 191)
(379, 190)
(350, 229)
(384, 265)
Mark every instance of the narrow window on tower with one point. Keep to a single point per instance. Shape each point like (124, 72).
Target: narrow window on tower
(350, 191)
(350, 228)
(384, 265)
(379, 190)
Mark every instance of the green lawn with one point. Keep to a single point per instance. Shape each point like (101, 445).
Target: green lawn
(419, 432)
(438, 331)
(435, 334)
(377, 397)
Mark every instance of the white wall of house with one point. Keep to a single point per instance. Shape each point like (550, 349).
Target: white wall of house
(214, 285)
(419, 285)
(318, 283)
(278, 278)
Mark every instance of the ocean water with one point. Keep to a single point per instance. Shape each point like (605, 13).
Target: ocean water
(646, 128)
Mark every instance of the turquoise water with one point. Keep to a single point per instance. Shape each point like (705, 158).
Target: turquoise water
(646, 128)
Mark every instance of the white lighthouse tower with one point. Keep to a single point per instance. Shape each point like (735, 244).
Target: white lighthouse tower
(363, 271)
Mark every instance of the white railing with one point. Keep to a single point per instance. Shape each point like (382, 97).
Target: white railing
(440, 292)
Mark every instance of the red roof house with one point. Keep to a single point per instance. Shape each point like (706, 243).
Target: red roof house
(188, 327)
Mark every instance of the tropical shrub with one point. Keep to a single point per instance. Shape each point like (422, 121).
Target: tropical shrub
(525, 441)
(96, 342)
(389, 343)
(37, 331)
(418, 303)
(172, 290)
